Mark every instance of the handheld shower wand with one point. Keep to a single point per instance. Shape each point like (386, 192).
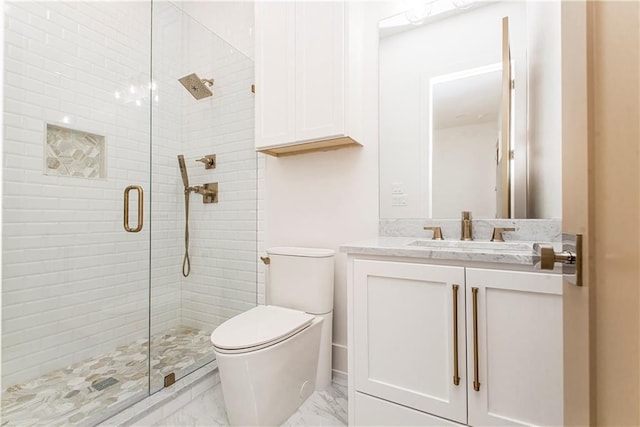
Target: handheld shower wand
(183, 171)
(186, 262)
(209, 193)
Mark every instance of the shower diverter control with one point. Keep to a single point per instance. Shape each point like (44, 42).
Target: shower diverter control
(209, 161)
(209, 192)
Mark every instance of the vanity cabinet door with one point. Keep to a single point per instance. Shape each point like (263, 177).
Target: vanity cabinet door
(519, 348)
(404, 336)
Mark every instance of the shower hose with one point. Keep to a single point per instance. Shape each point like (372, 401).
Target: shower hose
(186, 262)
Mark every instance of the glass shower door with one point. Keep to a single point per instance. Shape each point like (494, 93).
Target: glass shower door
(75, 285)
(222, 281)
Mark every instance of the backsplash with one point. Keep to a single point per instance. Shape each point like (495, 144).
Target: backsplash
(542, 230)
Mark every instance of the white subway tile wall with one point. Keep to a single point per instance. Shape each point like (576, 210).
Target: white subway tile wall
(75, 284)
(223, 249)
(167, 224)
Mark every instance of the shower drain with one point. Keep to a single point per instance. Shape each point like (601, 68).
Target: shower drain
(102, 384)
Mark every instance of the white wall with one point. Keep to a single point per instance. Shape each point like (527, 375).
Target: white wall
(230, 20)
(545, 124)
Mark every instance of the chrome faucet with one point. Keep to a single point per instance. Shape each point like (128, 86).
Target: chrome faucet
(466, 232)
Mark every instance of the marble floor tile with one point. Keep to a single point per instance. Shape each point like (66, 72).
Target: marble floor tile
(322, 408)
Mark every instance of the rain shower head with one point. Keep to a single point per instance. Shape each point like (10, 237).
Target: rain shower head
(183, 171)
(197, 87)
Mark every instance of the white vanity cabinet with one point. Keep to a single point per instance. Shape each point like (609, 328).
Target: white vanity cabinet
(405, 367)
(519, 348)
(300, 77)
(403, 335)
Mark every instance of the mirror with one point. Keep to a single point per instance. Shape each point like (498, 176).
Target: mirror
(464, 139)
(454, 133)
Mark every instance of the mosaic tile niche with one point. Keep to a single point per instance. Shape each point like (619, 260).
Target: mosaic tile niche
(71, 152)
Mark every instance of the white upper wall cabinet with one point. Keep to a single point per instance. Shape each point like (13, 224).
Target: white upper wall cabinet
(319, 70)
(275, 73)
(300, 77)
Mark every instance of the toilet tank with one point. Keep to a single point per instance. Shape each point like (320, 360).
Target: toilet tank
(301, 279)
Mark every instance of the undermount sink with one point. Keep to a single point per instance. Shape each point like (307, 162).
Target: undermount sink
(472, 245)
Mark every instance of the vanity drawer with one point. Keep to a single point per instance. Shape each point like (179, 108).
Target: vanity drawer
(370, 411)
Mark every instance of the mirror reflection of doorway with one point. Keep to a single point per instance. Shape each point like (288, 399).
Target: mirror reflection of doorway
(463, 133)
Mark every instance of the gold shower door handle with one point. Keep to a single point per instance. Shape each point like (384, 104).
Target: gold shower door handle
(476, 381)
(456, 375)
(140, 208)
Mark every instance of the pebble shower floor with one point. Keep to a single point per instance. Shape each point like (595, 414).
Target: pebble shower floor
(67, 396)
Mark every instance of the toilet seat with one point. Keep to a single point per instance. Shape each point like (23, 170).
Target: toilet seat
(259, 327)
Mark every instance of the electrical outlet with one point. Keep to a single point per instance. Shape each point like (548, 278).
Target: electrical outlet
(399, 200)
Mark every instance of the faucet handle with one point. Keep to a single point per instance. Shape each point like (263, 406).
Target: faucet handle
(437, 232)
(209, 161)
(497, 233)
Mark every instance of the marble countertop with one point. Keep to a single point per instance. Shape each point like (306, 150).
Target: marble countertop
(518, 253)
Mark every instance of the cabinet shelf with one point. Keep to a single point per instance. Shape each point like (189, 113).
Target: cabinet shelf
(310, 147)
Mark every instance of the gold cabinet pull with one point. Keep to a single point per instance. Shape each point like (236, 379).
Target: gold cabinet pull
(456, 374)
(140, 208)
(476, 380)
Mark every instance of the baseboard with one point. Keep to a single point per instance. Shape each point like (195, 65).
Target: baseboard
(339, 354)
(340, 378)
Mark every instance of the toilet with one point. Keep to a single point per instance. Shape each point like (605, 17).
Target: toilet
(272, 357)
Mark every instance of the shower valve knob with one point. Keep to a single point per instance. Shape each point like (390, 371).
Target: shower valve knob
(208, 161)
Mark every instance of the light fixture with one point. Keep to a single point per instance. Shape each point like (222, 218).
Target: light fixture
(463, 4)
(418, 11)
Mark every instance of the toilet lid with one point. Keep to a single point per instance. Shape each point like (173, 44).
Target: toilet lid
(301, 252)
(259, 326)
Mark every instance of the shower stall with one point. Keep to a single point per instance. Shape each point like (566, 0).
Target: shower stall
(96, 311)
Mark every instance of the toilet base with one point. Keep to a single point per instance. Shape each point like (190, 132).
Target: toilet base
(323, 380)
(266, 386)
